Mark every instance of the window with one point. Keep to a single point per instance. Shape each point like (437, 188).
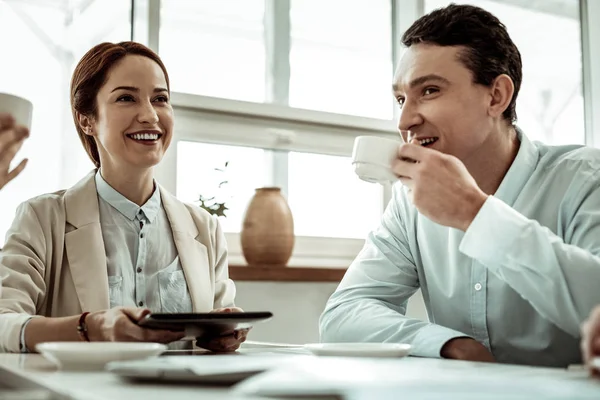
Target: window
(218, 48)
(550, 102)
(326, 197)
(42, 42)
(319, 61)
(341, 57)
(214, 47)
(325, 64)
(229, 174)
(333, 211)
(328, 200)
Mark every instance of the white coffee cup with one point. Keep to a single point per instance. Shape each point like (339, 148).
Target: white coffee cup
(372, 158)
(21, 109)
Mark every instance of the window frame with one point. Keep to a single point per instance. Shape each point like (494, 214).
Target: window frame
(589, 12)
(274, 125)
(268, 126)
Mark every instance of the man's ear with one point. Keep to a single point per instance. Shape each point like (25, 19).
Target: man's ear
(86, 123)
(501, 92)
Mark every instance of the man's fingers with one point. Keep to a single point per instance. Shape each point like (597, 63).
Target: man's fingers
(16, 171)
(12, 136)
(409, 183)
(413, 151)
(404, 168)
(7, 156)
(7, 121)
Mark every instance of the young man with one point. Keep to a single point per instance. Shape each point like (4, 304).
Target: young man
(502, 235)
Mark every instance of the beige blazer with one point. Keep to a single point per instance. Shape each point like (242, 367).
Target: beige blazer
(54, 264)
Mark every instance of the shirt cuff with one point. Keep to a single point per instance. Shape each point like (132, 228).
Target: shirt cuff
(430, 340)
(493, 232)
(22, 347)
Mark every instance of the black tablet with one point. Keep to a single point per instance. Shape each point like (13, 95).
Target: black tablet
(199, 324)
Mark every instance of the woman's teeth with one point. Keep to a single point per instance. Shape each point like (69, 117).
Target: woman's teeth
(144, 136)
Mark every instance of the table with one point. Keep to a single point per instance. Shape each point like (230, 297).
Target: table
(34, 372)
(354, 378)
(420, 378)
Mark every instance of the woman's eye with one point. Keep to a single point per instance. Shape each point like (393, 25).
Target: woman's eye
(400, 101)
(126, 97)
(162, 99)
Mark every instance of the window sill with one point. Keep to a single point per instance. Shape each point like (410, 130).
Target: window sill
(285, 274)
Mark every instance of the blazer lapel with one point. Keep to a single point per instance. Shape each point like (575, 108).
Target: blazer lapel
(84, 245)
(192, 253)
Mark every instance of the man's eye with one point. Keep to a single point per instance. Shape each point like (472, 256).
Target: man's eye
(400, 101)
(430, 90)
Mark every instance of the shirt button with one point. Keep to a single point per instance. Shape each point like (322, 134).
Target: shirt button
(139, 270)
(141, 303)
(478, 286)
(141, 235)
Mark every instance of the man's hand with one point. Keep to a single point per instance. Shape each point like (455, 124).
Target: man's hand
(466, 349)
(12, 137)
(590, 339)
(441, 187)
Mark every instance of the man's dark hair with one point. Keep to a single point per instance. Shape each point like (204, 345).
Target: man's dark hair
(489, 50)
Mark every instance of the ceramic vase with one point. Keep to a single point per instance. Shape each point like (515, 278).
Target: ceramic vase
(268, 229)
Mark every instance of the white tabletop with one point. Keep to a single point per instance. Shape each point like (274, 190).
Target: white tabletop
(420, 378)
(30, 371)
(355, 378)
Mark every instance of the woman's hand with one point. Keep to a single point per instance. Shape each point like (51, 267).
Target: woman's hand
(12, 137)
(120, 325)
(229, 341)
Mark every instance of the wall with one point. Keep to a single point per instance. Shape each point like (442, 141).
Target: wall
(296, 307)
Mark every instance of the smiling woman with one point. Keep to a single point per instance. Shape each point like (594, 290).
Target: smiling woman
(89, 262)
(138, 74)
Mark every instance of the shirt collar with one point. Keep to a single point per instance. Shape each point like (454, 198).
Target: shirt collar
(126, 207)
(520, 170)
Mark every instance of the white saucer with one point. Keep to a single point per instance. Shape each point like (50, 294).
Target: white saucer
(94, 355)
(359, 349)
